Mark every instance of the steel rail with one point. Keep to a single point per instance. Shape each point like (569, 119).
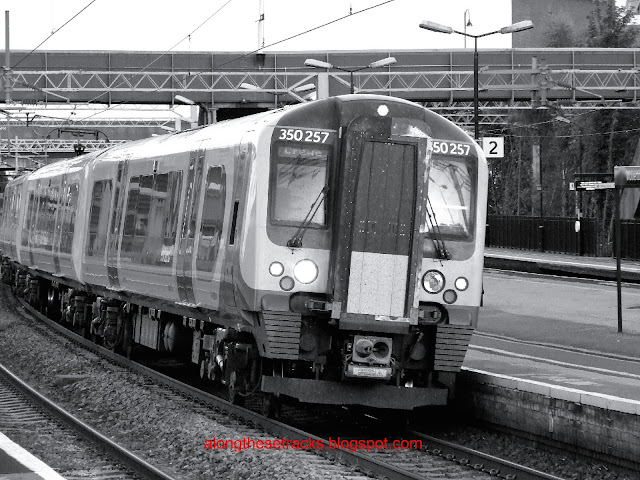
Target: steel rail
(117, 452)
(276, 428)
(493, 466)
(482, 461)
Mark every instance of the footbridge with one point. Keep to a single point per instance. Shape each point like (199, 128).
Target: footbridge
(230, 84)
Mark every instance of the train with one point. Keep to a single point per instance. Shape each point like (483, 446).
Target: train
(329, 252)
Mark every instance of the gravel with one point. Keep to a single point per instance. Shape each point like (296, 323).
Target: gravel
(170, 432)
(166, 430)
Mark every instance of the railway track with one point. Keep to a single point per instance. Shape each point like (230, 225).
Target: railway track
(88, 454)
(435, 458)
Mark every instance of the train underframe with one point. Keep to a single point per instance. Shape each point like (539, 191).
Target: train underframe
(312, 358)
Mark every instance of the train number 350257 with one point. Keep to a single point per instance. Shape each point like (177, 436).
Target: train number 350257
(451, 148)
(300, 135)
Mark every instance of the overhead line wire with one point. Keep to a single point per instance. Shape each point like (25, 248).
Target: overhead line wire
(305, 32)
(53, 33)
(248, 53)
(188, 36)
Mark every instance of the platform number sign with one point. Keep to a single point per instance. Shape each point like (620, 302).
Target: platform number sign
(493, 147)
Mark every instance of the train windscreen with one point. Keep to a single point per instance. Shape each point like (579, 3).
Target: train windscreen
(298, 176)
(450, 199)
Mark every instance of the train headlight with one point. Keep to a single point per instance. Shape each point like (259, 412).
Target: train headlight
(305, 271)
(433, 281)
(276, 269)
(461, 284)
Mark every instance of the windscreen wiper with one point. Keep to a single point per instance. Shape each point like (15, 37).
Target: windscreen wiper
(296, 240)
(436, 236)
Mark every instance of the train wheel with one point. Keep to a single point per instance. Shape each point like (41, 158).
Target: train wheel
(236, 388)
(271, 406)
(95, 338)
(127, 337)
(204, 369)
(53, 304)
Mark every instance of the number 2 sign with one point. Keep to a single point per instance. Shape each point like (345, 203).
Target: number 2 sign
(493, 147)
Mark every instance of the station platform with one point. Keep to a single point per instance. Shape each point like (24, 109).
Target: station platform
(16, 463)
(561, 264)
(568, 376)
(592, 359)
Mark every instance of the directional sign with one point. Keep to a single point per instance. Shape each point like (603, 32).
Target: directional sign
(593, 185)
(493, 147)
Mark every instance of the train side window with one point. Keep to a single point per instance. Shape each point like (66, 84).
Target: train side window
(99, 217)
(130, 215)
(69, 207)
(47, 217)
(16, 210)
(212, 219)
(170, 217)
(152, 247)
(29, 218)
(7, 208)
(143, 208)
(40, 218)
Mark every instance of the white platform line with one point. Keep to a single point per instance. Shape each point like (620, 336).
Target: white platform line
(555, 362)
(554, 262)
(27, 459)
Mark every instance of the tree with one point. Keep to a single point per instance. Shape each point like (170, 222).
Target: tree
(559, 35)
(609, 27)
(592, 142)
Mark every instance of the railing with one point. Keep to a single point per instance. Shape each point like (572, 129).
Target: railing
(558, 235)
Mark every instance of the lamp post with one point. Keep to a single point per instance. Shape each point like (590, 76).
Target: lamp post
(436, 27)
(311, 62)
(467, 23)
(205, 115)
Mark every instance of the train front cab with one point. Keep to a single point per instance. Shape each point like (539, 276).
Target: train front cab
(386, 319)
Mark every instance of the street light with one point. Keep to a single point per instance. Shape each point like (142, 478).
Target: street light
(467, 23)
(437, 27)
(206, 115)
(185, 100)
(311, 62)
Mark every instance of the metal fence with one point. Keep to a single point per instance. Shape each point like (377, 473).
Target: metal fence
(630, 233)
(559, 235)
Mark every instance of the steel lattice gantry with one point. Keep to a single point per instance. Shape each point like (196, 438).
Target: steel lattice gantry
(510, 80)
(56, 145)
(221, 78)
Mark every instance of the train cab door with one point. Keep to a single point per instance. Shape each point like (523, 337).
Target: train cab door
(186, 244)
(376, 260)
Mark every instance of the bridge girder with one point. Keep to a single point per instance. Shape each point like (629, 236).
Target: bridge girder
(509, 80)
(218, 78)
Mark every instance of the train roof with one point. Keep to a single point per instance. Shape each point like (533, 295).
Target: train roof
(231, 132)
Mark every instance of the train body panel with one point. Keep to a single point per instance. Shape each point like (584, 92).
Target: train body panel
(330, 252)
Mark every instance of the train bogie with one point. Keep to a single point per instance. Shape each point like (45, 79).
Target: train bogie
(330, 252)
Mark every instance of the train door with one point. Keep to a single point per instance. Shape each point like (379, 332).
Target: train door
(186, 244)
(116, 220)
(58, 216)
(213, 224)
(376, 260)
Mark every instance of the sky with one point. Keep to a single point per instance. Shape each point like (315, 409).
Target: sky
(231, 25)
